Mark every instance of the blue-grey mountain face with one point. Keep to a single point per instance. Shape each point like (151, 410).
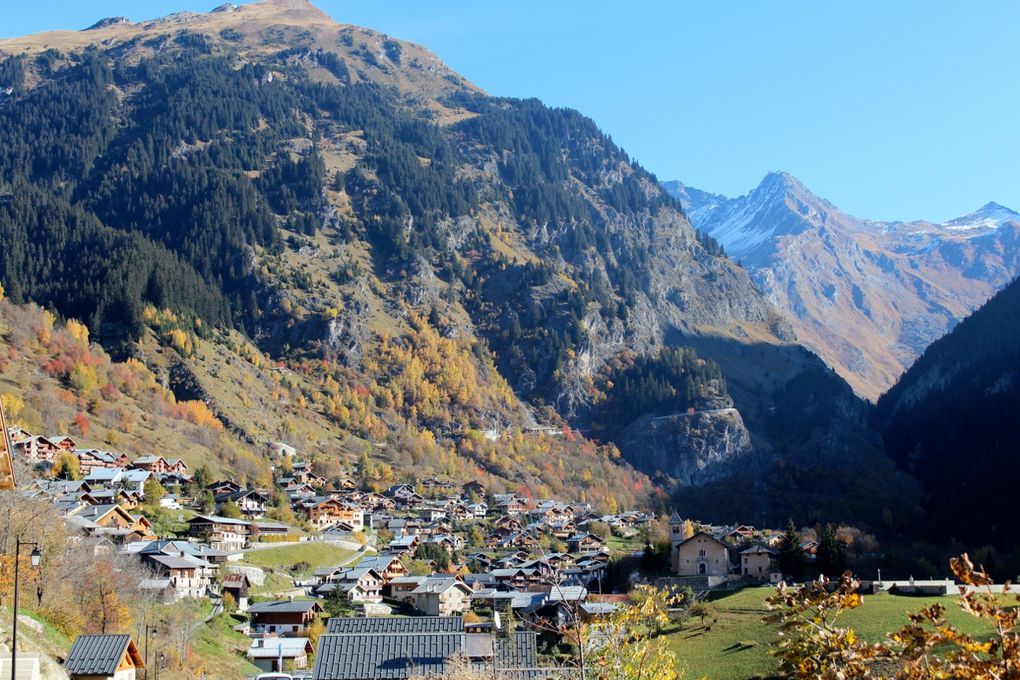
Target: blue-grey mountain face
(866, 296)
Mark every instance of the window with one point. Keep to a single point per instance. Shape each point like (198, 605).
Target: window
(701, 553)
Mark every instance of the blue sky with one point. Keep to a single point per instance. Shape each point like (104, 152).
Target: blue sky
(892, 110)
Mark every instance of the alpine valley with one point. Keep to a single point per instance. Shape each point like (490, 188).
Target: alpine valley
(327, 238)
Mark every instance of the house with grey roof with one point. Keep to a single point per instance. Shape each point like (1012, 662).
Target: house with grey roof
(283, 617)
(103, 657)
(395, 654)
(274, 654)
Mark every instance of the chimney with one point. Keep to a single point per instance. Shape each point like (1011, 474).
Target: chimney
(290, 598)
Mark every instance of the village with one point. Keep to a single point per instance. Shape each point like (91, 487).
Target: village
(425, 558)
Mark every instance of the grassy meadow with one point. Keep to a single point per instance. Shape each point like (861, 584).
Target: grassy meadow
(735, 646)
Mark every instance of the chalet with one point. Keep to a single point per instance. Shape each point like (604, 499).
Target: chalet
(252, 504)
(458, 512)
(267, 653)
(298, 492)
(37, 449)
(400, 491)
(474, 488)
(404, 495)
(562, 530)
(18, 434)
(175, 466)
(515, 579)
(188, 576)
(739, 534)
(284, 617)
(327, 512)
(153, 464)
(388, 567)
(401, 587)
(359, 584)
(478, 510)
(222, 486)
(518, 539)
(433, 514)
(63, 442)
(103, 657)
(168, 479)
(509, 504)
(441, 596)
(90, 459)
(701, 555)
(434, 484)
(585, 542)
(302, 474)
(133, 479)
(404, 545)
(111, 521)
(509, 523)
(378, 502)
(221, 533)
(237, 586)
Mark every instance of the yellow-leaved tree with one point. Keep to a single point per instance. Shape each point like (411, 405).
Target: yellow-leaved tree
(627, 645)
(813, 644)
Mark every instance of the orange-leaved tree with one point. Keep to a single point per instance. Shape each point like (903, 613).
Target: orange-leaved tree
(813, 644)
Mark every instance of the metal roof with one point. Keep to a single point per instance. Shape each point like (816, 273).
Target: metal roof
(270, 648)
(284, 606)
(396, 624)
(385, 656)
(97, 654)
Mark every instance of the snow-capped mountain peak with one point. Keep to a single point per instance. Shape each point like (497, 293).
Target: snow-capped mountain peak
(990, 216)
(866, 296)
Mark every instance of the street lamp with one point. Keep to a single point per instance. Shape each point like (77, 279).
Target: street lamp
(155, 633)
(36, 558)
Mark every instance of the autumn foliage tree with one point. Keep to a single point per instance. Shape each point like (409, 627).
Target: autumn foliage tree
(813, 644)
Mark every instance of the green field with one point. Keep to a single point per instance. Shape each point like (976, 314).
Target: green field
(736, 645)
(281, 559)
(221, 650)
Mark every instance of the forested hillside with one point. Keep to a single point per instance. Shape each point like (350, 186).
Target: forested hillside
(416, 272)
(951, 421)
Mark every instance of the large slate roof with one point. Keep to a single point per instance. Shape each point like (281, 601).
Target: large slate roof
(396, 625)
(96, 654)
(397, 656)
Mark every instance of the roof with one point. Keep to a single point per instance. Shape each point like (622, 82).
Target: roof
(386, 656)
(283, 606)
(100, 654)
(395, 624)
(271, 648)
(216, 519)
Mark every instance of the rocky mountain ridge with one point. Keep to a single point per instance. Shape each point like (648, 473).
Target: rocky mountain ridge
(866, 296)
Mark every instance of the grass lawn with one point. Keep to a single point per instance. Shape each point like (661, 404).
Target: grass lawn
(737, 644)
(616, 544)
(315, 555)
(221, 650)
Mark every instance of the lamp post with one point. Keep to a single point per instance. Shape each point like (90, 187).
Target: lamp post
(155, 634)
(36, 559)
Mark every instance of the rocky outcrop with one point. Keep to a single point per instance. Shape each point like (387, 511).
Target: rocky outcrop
(686, 448)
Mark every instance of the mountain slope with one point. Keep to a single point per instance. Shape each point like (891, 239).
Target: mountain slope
(867, 297)
(951, 421)
(439, 270)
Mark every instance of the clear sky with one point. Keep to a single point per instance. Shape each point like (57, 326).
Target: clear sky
(892, 110)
